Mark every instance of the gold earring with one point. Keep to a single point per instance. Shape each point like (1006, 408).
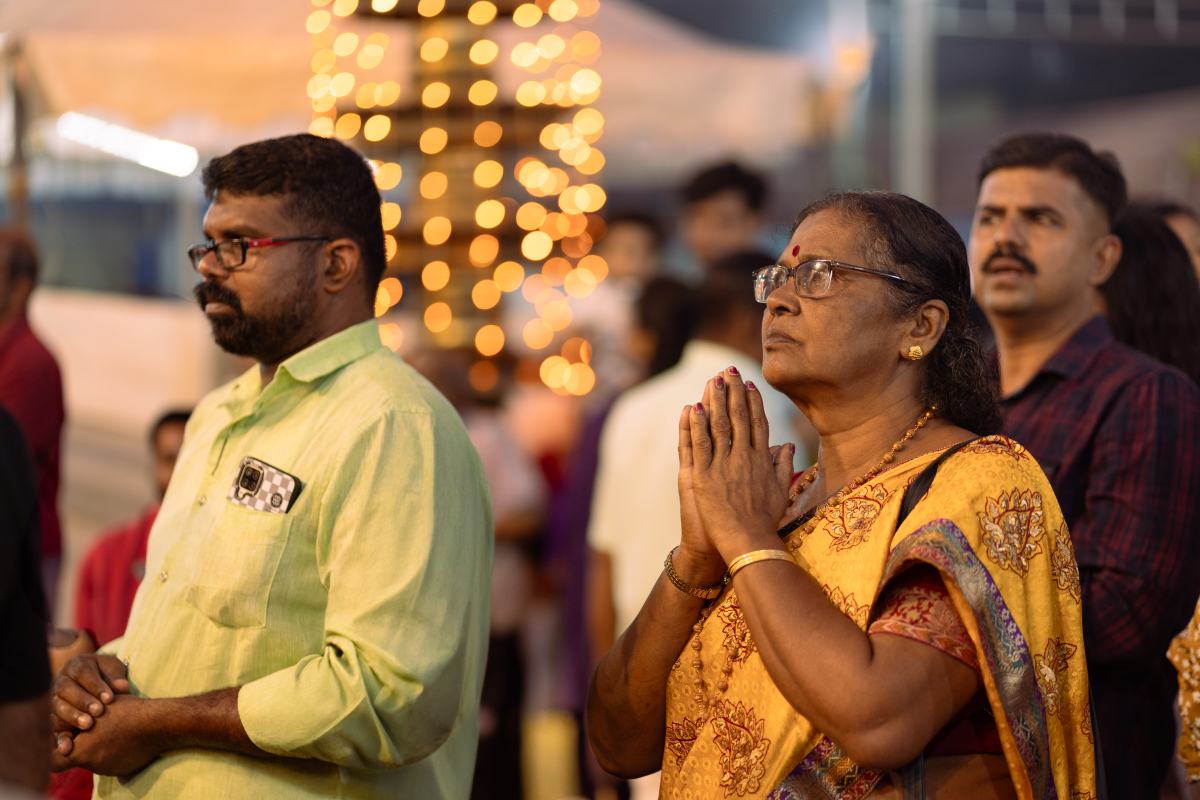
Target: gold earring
(915, 353)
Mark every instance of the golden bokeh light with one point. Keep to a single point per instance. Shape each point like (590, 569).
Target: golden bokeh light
(579, 283)
(389, 247)
(534, 287)
(489, 214)
(489, 340)
(484, 52)
(580, 380)
(488, 133)
(488, 173)
(370, 56)
(481, 12)
(387, 176)
(323, 104)
(433, 185)
(483, 376)
(530, 216)
(341, 84)
(435, 95)
(392, 336)
(344, 8)
(594, 264)
(430, 8)
(593, 164)
(365, 96)
(345, 44)
(347, 126)
(563, 10)
(536, 245)
(588, 122)
(537, 335)
(509, 275)
(525, 54)
(317, 21)
(588, 8)
(554, 372)
(437, 230)
(484, 250)
(323, 61)
(435, 276)
(433, 140)
(387, 93)
(390, 215)
(394, 288)
(482, 92)
(485, 295)
(555, 269)
(376, 128)
(383, 6)
(526, 15)
(321, 126)
(551, 46)
(434, 49)
(585, 47)
(531, 93)
(382, 302)
(438, 317)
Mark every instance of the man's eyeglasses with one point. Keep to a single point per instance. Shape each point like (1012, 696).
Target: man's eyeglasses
(231, 253)
(812, 278)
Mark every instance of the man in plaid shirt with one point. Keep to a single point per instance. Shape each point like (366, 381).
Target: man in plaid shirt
(1116, 432)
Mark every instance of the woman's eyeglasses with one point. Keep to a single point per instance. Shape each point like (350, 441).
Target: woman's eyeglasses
(811, 278)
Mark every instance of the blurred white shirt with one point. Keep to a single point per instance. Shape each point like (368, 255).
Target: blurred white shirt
(635, 512)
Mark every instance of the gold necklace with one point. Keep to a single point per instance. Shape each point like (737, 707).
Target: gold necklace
(730, 647)
(840, 495)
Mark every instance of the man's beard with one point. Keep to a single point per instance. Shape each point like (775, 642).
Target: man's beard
(268, 338)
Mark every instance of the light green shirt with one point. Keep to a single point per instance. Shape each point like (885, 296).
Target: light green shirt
(356, 622)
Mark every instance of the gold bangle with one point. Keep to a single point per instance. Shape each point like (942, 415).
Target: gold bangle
(757, 555)
(699, 592)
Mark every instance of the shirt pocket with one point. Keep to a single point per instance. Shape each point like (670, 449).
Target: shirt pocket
(236, 565)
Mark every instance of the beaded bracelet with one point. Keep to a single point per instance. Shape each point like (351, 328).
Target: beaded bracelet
(699, 592)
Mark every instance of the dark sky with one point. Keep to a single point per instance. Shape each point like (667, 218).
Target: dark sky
(1038, 69)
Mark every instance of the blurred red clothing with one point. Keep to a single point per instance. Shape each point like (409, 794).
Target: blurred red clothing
(31, 390)
(109, 578)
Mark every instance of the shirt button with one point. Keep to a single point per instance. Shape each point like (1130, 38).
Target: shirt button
(162, 576)
(203, 499)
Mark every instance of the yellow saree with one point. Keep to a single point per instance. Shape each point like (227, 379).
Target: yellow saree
(991, 527)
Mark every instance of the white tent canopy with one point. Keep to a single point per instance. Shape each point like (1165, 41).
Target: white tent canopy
(219, 73)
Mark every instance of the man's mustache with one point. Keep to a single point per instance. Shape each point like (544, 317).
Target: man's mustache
(206, 293)
(1012, 254)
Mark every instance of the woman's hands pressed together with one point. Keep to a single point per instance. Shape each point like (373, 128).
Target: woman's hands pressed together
(733, 486)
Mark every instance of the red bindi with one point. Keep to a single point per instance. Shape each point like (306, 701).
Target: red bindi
(795, 251)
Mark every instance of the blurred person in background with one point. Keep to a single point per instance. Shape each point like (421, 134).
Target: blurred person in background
(316, 620)
(663, 319)
(24, 667)
(518, 493)
(635, 509)
(632, 248)
(903, 618)
(1115, 431)
(1184, 221)
(723, 212)
(116, 563)
(1152, 300)
(31, 389)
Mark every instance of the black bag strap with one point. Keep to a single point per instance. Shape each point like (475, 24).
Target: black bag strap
(920, 486)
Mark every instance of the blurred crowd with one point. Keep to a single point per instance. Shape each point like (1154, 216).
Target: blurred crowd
(584, 497)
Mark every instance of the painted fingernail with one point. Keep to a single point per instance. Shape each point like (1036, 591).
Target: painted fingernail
(720, 382)
(699, 408)
(750, 385)
(734, 371)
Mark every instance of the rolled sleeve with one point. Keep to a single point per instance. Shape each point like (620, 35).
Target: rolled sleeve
(404, 549)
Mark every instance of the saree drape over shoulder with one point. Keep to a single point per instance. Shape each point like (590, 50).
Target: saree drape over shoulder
(991, 527)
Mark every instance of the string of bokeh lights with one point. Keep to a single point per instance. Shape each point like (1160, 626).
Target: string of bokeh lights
(553, 194)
